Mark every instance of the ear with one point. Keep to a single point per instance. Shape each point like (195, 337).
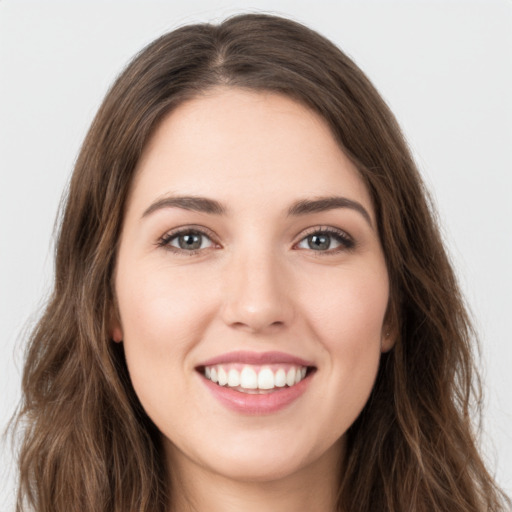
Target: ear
(390, 330)
(388, 339)
(117, 334)
(115, 328)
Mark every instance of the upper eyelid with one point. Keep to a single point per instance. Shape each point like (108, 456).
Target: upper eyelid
(324, 229)
(189, 228)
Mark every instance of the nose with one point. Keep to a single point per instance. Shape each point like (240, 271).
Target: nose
(257, 294)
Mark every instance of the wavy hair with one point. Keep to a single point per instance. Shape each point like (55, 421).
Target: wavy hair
(88, 444)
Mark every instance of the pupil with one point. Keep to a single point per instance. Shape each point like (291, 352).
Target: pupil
(318, 242)
(190, 241)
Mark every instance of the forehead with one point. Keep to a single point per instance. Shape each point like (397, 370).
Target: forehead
(245, 147)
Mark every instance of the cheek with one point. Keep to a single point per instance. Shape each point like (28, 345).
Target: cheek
(162, 310)
(349, 308)
(347, 320)
(163, 314)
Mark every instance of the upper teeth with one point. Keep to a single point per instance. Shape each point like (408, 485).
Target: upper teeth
(252, 377)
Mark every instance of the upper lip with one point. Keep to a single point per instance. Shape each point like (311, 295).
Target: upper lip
(256, 358)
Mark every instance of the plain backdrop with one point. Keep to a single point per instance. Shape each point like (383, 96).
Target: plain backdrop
(444, 67)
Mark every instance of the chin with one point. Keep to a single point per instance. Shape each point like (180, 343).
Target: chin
(261, 456)
(269, 466)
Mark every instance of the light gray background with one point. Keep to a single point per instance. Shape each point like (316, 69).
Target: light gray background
(445, 68)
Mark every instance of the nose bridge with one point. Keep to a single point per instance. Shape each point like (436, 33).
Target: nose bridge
(256, 296)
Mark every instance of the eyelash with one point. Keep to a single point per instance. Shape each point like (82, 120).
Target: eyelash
(346, 241)
(165, 240)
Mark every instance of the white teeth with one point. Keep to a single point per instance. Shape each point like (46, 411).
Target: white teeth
(290, 377)
(248, 378)
(264, 378)
(280, 378)
(233, 378)
(222, 376)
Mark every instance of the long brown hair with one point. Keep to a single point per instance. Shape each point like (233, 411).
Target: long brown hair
(88, 444)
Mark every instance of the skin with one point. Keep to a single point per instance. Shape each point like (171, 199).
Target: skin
(255, 284)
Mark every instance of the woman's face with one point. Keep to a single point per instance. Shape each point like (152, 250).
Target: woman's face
(249, 256)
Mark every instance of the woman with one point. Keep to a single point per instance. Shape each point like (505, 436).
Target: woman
(252, 304)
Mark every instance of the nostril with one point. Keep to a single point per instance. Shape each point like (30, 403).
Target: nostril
(255, 325)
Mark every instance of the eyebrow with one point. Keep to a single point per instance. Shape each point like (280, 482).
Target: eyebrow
(322, 204)
(197, 204)
(298, 208)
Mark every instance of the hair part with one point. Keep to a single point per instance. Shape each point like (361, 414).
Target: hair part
(87, 440)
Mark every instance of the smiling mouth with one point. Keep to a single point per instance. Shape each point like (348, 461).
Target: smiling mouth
(256, 379)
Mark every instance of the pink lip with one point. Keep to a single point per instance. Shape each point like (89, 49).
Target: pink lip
(252, 404)
(246, 403)
(256, 358)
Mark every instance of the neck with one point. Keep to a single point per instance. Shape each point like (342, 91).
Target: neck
(313, 487)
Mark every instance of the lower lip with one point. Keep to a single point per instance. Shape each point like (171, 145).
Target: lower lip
(266, 403)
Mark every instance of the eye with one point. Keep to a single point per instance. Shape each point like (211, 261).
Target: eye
(186, 241)
(328, 240)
